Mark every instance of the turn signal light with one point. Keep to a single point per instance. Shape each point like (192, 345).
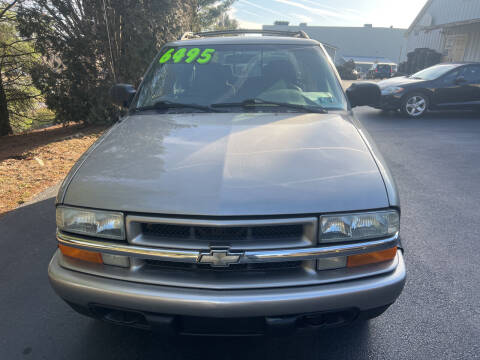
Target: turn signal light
(79, 254)
(371, 258)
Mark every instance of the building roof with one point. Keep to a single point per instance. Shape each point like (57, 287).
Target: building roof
(419, 16)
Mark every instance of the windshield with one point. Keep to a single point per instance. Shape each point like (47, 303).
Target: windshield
(234, 74)
(433, 72)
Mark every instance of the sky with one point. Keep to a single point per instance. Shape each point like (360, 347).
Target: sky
(380, 13)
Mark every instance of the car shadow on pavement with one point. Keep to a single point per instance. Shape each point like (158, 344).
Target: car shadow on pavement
(106, 341)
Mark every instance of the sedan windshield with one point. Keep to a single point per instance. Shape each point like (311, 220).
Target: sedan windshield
(433, 72)
(266, 78)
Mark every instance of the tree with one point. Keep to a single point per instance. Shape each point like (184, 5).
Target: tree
(224, 22)
(88, 45)
(346, 70)
(5, 127)
(209, 14)
(17, 57)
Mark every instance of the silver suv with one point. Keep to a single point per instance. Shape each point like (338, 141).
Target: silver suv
(239, 195)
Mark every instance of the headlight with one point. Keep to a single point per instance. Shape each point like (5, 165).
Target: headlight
(96, 223)
(361, 226)
(392, 90)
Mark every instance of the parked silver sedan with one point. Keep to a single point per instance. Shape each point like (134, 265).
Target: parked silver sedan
(238, 196)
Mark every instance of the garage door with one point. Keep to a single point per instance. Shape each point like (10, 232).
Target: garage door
(455, 46)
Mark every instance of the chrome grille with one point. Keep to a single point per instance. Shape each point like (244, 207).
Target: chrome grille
(277, 232)
(274, 268)
(220, 233)
(168, 231)
(259, 267)
(239, 235)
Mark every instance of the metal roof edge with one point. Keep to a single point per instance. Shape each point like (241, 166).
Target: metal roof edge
(452, 24)
(419, 16)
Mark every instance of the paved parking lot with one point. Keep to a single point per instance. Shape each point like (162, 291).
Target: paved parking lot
(436, 163)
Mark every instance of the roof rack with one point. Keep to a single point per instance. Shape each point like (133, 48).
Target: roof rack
(192, 35)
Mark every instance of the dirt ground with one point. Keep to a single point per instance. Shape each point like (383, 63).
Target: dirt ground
(32, 162)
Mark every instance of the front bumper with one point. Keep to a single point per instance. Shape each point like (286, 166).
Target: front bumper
(390, 102)
(363, 294)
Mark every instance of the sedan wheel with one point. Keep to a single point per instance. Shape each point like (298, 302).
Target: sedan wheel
(415, 105)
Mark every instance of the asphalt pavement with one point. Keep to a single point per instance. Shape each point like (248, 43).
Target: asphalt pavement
(436, 163)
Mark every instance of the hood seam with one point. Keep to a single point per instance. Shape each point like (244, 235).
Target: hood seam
(375, 159)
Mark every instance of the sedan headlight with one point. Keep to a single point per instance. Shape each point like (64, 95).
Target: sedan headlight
(392, 90)
(96, 223)
(360, 226)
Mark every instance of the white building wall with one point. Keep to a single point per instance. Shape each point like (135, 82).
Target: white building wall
(443, 13)
(355, 41)
(433, 39)
(472, 51)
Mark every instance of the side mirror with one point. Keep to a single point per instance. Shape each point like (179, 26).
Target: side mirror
(460, 80)
(122, 94)
(361, 94)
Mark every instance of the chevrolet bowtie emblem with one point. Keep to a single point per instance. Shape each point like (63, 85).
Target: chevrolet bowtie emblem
(219, 258)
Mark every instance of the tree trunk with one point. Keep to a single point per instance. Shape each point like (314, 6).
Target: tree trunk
(5, 127)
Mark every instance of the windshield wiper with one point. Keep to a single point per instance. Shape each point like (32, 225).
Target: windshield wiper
(260, 102)
(165, 104)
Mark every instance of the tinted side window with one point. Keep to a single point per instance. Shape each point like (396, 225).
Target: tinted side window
(472, 74)
(450, 78)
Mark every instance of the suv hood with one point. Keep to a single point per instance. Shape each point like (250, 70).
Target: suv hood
(233, 164)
